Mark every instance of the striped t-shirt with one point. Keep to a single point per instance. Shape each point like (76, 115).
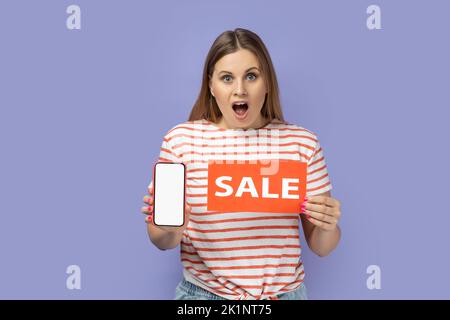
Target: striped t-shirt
(242, 255)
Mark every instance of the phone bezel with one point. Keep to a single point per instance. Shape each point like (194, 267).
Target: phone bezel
(184, 192)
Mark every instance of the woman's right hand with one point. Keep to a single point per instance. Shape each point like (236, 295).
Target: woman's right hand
(148, 211)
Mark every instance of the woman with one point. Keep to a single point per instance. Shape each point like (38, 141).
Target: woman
(243, 255)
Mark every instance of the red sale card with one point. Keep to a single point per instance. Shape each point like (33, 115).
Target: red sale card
(277, 186)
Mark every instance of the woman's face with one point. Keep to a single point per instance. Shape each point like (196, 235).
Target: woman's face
(237, 78)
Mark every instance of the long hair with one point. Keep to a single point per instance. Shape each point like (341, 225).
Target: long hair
(229, 42)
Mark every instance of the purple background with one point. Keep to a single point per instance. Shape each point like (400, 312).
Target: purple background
(83, 113)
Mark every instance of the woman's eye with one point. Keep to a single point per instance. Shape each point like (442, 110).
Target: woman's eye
(225, 77)
(252, 77)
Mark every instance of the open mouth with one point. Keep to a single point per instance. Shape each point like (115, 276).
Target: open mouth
(240, 109)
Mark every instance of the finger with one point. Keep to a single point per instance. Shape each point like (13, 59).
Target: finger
(150, 189)
(148, 200)
(320, 216)
(147, 210)
(149, 219)
(321, 209)
(320, 224)
(325, 200)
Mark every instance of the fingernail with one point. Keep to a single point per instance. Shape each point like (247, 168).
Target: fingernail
(306, 198)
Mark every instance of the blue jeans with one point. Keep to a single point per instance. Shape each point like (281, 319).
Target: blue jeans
(189, 291)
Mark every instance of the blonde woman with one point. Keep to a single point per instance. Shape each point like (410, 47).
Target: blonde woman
(243, 255)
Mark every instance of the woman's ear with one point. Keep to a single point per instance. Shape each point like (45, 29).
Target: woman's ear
(210, 86)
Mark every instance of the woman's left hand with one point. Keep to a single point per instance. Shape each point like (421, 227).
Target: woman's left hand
(323, 212)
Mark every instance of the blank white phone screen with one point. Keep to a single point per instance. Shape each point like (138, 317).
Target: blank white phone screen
(168, 194)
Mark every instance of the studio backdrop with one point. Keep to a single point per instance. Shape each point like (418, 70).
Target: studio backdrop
(88, 89)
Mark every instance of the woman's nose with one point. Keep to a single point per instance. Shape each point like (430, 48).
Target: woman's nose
(240, 88)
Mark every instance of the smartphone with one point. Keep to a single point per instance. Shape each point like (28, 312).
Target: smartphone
(169, 185)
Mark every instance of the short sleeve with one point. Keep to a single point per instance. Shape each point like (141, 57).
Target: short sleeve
(317, 179)
(167, 153)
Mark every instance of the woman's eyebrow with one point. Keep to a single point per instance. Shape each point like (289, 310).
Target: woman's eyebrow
(245, 70)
